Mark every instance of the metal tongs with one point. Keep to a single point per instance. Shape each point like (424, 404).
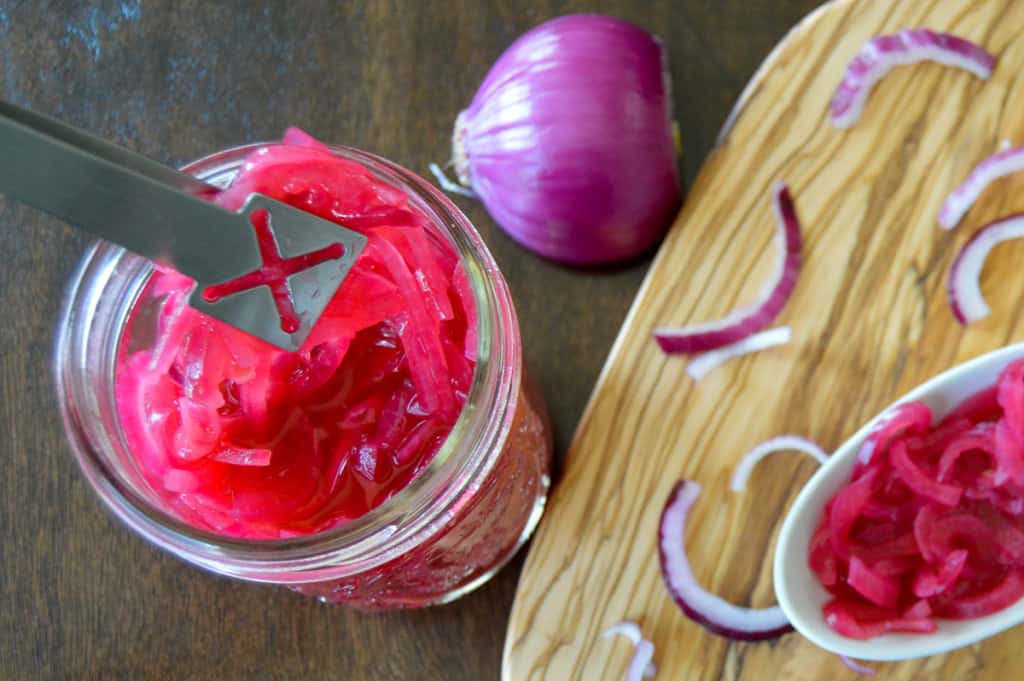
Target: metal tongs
(166, 216)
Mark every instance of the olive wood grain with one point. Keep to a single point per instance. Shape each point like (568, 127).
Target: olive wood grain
(870, 320)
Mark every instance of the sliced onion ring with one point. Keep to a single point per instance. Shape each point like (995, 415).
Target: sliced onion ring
(640, 665)
(964, 290)
(882, 53)
(745, 321)
(710, 611)
(762, 340)
(857, 666)
(989, 170)
(781, 443)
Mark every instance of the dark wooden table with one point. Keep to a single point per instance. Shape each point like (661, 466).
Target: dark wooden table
(83, 598)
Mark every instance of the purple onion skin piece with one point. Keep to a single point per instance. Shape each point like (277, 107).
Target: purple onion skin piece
(569, 144)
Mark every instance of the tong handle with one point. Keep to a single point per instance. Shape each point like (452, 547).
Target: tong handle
(121, 196)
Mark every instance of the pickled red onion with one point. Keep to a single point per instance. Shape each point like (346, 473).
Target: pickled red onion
(641, 665)
(710, 611)
(745, 321)
(238, 456)
(882, 53)
(877, 588)
(998, 165)
(1010, 397)
(931, 524)
(964, 290)
(919, 482)
(241, 439)
(910, 416)
(1007, 591)
(928, 581)
(858, 621)
(762, 340)
(297, 137)
(777, 444)
(847, 506)
(920, 608)
(979, 439)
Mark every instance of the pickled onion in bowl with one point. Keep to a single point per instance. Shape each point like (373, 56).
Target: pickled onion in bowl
(931, 525)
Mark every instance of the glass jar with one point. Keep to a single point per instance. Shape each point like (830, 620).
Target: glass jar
(444, 534)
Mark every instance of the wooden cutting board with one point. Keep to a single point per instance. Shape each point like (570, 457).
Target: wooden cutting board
(870, 320)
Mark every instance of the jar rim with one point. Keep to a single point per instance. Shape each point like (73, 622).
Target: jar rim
(414, 513)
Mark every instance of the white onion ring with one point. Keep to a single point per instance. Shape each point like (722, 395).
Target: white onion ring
(857, 666)
(703, 607)
(989, 170)
(781, 443)
(640, 665)
(762, 340)
(964, 289)
(745, 321)
(882, 53)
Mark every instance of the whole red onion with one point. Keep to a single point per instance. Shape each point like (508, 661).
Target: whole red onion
(569, 142)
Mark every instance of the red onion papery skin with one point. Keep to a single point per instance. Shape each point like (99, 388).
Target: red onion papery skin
(568, 142)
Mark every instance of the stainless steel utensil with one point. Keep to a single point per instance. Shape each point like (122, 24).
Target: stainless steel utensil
(161, 213)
